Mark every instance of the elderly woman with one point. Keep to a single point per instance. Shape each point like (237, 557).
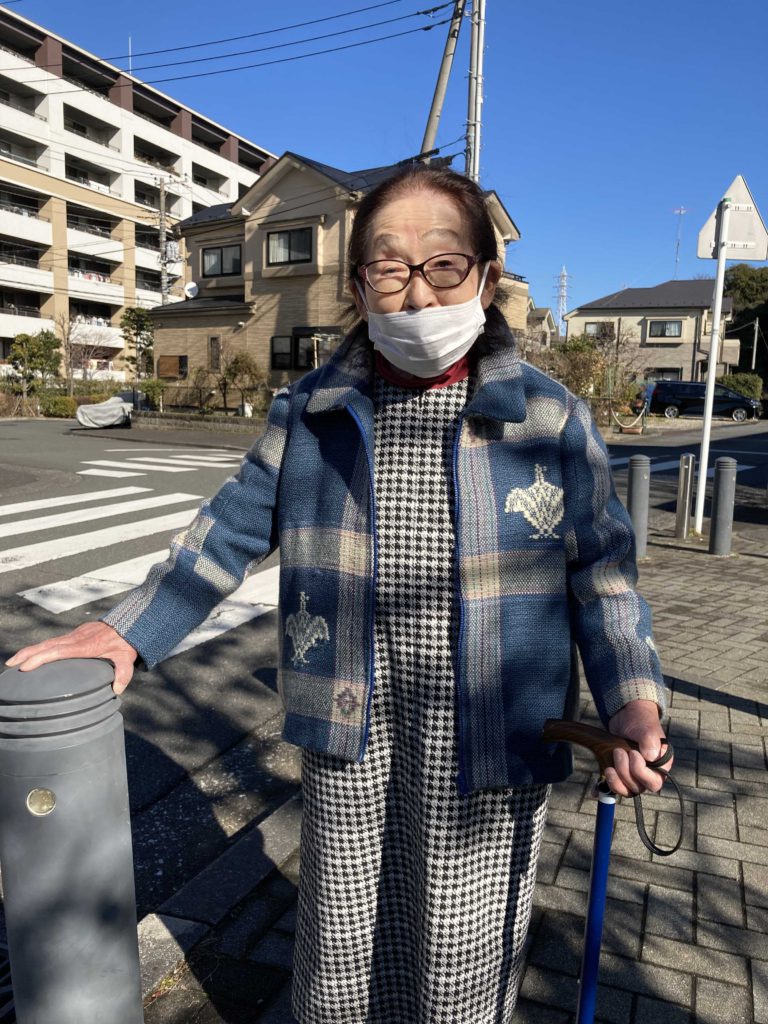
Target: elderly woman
(448, 534)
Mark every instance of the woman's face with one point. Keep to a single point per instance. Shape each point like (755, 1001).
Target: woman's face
(414, 227)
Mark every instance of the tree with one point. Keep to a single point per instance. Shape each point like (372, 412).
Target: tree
(138, 332)
(34, 358)
(80, 343)
(247, 376)
(747, 286)
(200, 382)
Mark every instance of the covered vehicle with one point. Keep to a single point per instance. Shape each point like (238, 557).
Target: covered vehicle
(114, 412)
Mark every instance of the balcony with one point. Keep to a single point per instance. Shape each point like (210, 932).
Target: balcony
(22, 320)
(148, 298)
(22, 272)
(21, 150)
(94, 286)
(96, 331)
(90, 128)
(90, 175)
(24, 224)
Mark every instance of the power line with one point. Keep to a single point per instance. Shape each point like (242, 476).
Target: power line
(249, 35)
(296, 42)
(261, 64)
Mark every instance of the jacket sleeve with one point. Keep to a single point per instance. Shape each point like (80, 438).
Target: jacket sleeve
(232, 532)
(610, 621)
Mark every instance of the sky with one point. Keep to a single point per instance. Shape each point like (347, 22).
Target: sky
(600, 118)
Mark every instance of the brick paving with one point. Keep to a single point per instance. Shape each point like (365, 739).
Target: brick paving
(686, 937)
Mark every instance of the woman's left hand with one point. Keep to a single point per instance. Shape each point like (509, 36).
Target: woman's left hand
(638, 721)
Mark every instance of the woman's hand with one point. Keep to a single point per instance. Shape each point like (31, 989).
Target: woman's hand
(91, 640)
(639, 721)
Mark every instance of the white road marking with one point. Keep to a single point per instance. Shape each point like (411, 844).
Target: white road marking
(48, 550)
(663, 467)
(80, 515)
(180, 461)
(257, 596)
(70, 499)
(106, 472)
(209, 451)
(204, 460)
(136, 465)
(64, 595)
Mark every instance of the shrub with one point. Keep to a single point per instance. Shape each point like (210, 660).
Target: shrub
(58, 405)
(748, 384)
(153, 390)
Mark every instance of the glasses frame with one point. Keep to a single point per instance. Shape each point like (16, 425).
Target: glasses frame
(362, 271)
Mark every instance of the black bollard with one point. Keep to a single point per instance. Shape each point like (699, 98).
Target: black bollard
(638, 496)
(723, 497)
(65, 847)
(684, 496)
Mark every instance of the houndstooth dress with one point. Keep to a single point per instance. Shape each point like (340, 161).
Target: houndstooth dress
(413, 901)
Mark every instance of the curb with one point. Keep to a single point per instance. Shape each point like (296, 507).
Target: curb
(168, 936)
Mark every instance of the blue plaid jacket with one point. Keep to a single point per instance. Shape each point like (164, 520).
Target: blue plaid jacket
(545, 559)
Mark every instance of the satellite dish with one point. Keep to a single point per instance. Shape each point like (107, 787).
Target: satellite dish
(191, 289)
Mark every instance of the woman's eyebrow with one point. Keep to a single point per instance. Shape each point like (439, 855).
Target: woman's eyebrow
(441, 231)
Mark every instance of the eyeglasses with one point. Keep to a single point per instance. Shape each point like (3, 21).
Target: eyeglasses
(447, 270)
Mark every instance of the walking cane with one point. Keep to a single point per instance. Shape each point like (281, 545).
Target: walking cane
(602, 744)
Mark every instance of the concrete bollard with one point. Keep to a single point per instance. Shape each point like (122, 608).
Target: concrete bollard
(684, 496)
(723, 497)
(65, 847)
(638, 497)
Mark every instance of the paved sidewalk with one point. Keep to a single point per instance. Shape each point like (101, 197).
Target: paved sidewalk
(686, 937)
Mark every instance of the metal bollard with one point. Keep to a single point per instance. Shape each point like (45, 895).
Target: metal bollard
(65, 847)
(723, 497)
(684, 496)
(638, 496)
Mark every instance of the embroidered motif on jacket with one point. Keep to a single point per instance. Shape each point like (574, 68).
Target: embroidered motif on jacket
(305, 631)
(541, 504)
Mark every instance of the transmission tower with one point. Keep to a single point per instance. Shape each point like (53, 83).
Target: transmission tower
(561, 294)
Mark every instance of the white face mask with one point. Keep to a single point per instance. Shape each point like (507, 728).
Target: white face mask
(425, 342)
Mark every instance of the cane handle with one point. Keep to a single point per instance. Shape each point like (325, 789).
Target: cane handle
(601, 743)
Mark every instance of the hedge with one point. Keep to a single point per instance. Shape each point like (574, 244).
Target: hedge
(58, 405)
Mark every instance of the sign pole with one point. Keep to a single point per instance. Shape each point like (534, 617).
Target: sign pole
(724, 213)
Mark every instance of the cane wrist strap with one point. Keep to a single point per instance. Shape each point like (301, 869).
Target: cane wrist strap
(637, 799)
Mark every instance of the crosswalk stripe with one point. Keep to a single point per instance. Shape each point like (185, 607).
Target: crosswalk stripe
(136, 465)
(106, 472)
(199, 460)
(257, 596)
(70, 499)
(196, 463)
(64, 595)
(80, 515)
(48, 550)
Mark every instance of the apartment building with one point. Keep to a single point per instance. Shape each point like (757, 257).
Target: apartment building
(88, 155)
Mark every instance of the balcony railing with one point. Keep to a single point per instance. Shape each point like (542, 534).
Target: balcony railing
(91, 138)
(148, 286)
(83, 179)
(8, 102)
(92, 321)
(154, 162)
(88, 227)
(20, 158)
(22, 261)
(148, 243)
(22, 211)
(89, 275)
(19, 310)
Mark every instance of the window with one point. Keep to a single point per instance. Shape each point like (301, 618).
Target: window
(663, 374)
(214, 353)
(281, 353)
(221, 261)
(293, 246)
(172, 367)
(665, 329)
(602, 330)
(591, 329)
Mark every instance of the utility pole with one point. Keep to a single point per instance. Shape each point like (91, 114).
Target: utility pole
(469, 150)
(754, 344)
(479, 85)
(162, 231)
(444, 74)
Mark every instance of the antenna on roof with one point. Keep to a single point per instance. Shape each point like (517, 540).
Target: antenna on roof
(679, 211)
(130, 62)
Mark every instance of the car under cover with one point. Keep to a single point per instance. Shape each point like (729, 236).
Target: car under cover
(114, 412)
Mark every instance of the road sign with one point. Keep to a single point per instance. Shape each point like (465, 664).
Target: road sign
(747, 234)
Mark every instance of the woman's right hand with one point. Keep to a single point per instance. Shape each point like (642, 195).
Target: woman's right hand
(91, 640)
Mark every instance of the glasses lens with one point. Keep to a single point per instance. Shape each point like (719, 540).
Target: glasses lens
(387, 275)
(447, 270)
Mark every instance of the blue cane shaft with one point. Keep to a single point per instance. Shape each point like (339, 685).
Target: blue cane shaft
(593, 930)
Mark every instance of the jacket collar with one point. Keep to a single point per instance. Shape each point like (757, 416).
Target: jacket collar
(346, 378)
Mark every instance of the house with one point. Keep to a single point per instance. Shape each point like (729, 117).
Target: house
(666, 329)
(540, 324)
(269, 274)
(88, 155)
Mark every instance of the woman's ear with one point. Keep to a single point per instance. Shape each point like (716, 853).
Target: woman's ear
(355, 290)
(492, 279)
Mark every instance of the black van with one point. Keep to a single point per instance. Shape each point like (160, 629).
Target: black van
(686, 398)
